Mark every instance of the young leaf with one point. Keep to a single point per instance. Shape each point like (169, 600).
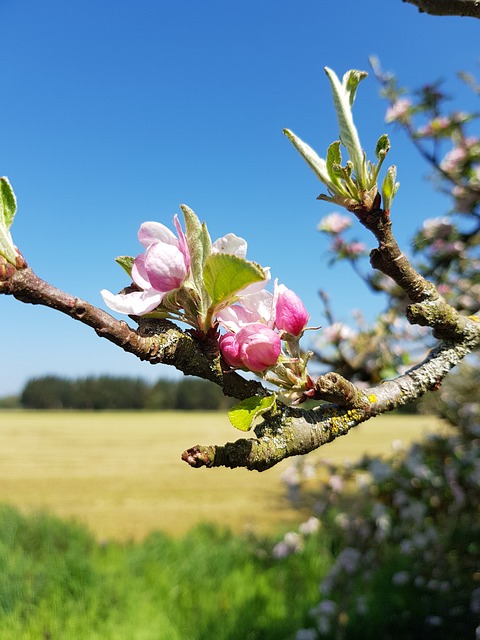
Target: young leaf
(224, 275)
(8, 208)
(343, 97)
(383, 147)
(200, 247)
(317, 164)
(126, 262)
(8, 202)
(199, 244)
(334, 162)
(244, 414)
(389, 187)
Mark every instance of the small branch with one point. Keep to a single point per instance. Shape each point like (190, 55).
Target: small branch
(333, 388)
(463, 8)
(428, 308)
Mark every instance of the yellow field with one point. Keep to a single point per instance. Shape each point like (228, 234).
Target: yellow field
(121, 473)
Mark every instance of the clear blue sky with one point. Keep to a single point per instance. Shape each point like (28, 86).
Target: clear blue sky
(114, 113)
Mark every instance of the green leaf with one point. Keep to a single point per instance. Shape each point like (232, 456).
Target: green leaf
(224, 275)
(244, 414)
(317, 164)
(199, 243)
(200, 247)
(126, 262)
(383, 147)
(334, 161)
(343, 97)
(389, 187)
(351, 80)
(8, 202)
(8, 208)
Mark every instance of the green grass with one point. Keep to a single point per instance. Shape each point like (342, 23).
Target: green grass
(57, 582)
(121, 473)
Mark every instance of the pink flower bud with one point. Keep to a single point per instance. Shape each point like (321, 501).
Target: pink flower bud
(230, 350)
(255, 347)
(291, 315)
(259, 346)
(167, 260)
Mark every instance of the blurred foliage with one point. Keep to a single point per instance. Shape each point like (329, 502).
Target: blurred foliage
(117, 393)
(57, 582)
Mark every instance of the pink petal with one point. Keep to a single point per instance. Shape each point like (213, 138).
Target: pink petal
(151, 232)
(235, 317)
(260, 346)
(165, 267)
(139, 274)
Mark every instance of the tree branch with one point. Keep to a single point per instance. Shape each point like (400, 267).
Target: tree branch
(289, 431)
(463, 8)
(155, 341)
(296, 432)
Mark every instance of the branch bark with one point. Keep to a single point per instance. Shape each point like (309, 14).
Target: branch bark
(462, 8)
(296, 432)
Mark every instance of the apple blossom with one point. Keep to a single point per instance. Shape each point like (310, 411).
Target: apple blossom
(166, 262)
(398, 110)
(291, 315)
(258, 306)
(334, 223)
(163, 267)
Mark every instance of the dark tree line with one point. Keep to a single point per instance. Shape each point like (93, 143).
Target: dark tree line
(115, 393)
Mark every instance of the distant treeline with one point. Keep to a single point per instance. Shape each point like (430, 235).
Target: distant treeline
(110, 392)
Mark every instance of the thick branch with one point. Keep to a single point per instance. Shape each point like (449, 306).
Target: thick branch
(296, 432)
(463, 8)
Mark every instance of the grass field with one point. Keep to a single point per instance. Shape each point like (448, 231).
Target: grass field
(121, 473)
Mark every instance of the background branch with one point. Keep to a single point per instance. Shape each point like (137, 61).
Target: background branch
(465, 8)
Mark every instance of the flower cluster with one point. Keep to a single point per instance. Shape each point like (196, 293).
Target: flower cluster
(257, 323)
(334, 225)
(185, 276)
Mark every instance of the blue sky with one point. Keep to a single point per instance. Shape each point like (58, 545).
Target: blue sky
(114, 113)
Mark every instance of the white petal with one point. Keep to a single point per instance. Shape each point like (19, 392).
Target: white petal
(261, 305)
(231, 244)
(136, 303)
